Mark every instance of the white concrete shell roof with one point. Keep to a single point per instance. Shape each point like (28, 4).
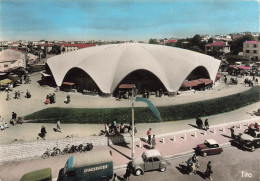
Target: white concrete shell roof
(108, 65)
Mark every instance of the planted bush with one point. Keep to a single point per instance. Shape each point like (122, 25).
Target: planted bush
(144, 114)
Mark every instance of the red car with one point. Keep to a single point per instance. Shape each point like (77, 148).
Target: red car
(209, 147)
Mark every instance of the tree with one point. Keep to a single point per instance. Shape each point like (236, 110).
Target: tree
(195, 41)
(153, 41)
(237, 44)
(210, 40)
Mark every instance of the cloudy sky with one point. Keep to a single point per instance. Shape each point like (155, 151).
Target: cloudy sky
(124, 19)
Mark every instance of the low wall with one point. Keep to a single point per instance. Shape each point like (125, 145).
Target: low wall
(27, 150)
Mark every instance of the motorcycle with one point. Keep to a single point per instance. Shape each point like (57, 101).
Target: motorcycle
(54, 152)
(88, 147)
(65, 150)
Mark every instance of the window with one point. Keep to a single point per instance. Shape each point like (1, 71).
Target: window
(247, 45)
(5, 65)
(254, 45)
(255, 51)
(247, 51)
(155, 159)
(150, 160)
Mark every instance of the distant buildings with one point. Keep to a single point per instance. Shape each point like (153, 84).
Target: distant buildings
(12, 58)
(251, 49)
(217, 49)
(65, 47)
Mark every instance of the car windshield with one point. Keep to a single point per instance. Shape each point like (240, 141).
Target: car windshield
(144, 156)
(207, 144)
(250, 132)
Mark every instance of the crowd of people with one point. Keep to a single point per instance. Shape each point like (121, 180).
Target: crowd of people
(50, 98)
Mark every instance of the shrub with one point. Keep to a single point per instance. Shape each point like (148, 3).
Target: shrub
(144, 114)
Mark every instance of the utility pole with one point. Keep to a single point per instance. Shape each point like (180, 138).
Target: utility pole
(133, 125)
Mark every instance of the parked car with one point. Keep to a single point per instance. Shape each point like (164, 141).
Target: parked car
(250, 139)
(209, 147)
(148, 161)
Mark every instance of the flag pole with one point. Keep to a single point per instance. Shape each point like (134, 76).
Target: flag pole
(133, 125)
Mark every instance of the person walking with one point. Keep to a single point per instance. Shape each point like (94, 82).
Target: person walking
(58, 126)
(43, 132)
(54, 98)
(232, 132)
(148, 133)
(13, 120)
(8, 96)
(127, 172)
(206, 124)
(208, 171)
(153, 142)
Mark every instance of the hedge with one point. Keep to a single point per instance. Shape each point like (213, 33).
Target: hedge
(144, 114)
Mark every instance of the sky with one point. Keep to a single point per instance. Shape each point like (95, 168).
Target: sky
(124, 19)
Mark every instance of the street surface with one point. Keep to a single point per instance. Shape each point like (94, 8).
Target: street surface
(231, 165)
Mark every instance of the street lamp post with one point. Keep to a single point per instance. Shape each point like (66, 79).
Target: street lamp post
(133, 126)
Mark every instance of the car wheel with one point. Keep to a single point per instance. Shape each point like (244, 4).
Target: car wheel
(163, 169)
(252, 148)
(138, 172)
(205, 154)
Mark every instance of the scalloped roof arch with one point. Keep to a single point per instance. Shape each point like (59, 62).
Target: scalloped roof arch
(108, 65)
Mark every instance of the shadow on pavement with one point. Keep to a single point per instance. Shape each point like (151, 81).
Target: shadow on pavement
(201, 174)
(119, 152)
(143, 140)
(194, 126)
(226, 136)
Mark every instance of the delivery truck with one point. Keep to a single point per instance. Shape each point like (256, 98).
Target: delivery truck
(89, 166)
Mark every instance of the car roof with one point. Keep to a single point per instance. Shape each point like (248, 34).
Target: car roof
(151, 153)
(211, 141)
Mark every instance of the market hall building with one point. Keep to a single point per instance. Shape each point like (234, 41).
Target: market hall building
(108, 68)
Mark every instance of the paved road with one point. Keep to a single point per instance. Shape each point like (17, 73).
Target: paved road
(232, 165)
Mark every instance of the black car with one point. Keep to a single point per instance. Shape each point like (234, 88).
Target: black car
(250, 139)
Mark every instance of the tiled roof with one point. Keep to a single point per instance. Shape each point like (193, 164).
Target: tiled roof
(217, 44)
(169, 41)
(248, 42)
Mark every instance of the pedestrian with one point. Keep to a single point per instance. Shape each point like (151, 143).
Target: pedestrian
(8, 96)
(232, 132)
(28, 94)
(225, 79)
(54, 98)
(115, 177)
(18, 94)
(153, 142)
(256, 80)
(206, 124)
(15, 94)
(148, 133)
(208, 171)
(122, 127)
(114, 126)
(106, 128)
(127, 172)
(58, 125)
(43, 132)
(21, 80)
(67, 99)
(13, 120)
